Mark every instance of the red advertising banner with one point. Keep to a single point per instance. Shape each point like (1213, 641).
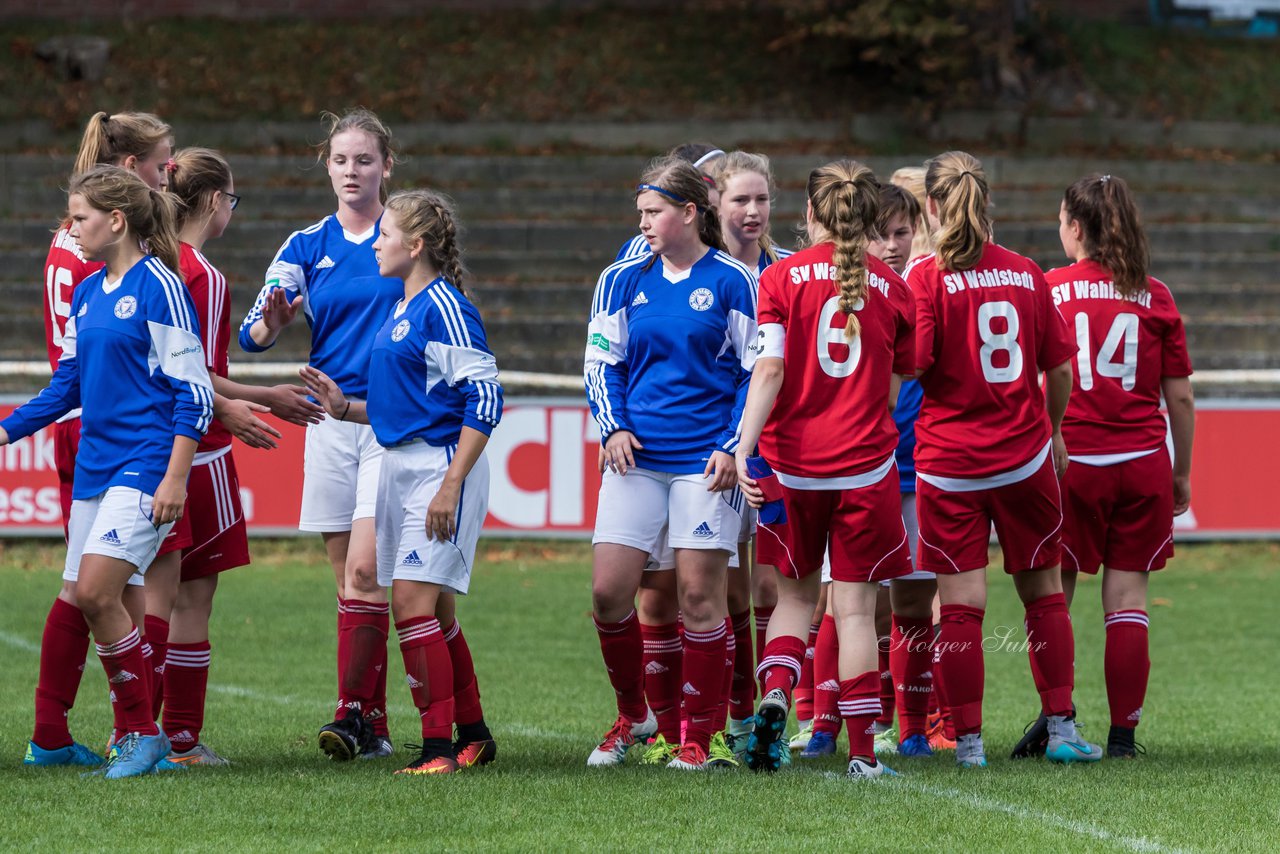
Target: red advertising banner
(543, 478)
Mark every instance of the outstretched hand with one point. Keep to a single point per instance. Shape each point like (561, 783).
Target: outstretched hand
(279, 311)
(324, 390)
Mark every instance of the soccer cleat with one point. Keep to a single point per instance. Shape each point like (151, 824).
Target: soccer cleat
(1035, 738)
(936, 730)
(720, 754)
(860, 769)
(659, 751)
(1120, 744)
(689, 757)
(431, 760)
(915, 745)
(345, 738)
(137, 754)
(764, 747)
(1065, 744)
(379, 747)
(969, 751)
(887, 741)
(612, 749)
(821, 744)
(473, 754)
(74, 753)
(800, 740)
(200, 754)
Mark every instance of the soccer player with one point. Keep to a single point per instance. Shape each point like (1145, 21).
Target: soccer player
(132, 358)
(141, 143)
(987, 449)
(835, 330)
(1121, 491)
(433, 400)
(666, 368)
(328, 271)
(706, 158)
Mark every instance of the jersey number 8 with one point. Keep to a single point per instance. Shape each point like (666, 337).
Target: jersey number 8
(1124, 331)
(999, 342)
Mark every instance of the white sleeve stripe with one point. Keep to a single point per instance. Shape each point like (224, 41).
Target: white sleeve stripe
(217, 299)
(597, 388)
(603, 296)
(170, 283)
(311, 229)
(452, 314)
(459, 317)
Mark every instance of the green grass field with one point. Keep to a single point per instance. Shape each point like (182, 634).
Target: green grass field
(1210, 779)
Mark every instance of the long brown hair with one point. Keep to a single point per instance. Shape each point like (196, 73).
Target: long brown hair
(956, 182)
(366, 120)
(150, 215)
(845, 197)
(681, 180)
(195, 175)
(1112, 229)
(111, 138)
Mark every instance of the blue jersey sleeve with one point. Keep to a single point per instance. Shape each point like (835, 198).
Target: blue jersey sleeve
(633, 248)
(459, 347)
(288, 271)
(63, 392)
(605, 362)
(176, 352)
(741, 332)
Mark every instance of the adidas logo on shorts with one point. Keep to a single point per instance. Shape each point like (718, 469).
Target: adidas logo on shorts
(690, 690)
(122, 677)
(325, 263)
(703, 530)
(412, 559)
(640, 299)
(111, 537)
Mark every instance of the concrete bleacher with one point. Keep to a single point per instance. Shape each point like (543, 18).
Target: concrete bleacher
(539, 230)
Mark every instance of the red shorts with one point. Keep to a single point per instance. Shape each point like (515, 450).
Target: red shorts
(1118, 516)
(862, 527)
(66, 442)
(220, 540)
(955, 527)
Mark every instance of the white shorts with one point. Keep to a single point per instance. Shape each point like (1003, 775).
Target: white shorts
(340, 475)
(116, 523)
(750, 516)
(411, 476)
(645, 506)
(663, 557)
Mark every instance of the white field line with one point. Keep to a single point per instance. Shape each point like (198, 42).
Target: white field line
(20, 642)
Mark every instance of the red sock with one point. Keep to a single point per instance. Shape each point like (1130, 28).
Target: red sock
(377, 715)
(62, 656)
(781, 664)
(704, 682)
(367, 623)
(726, 686)
(344, 649)
(804, 688)
(186, 679)
(762, 616)
(466, 688)
(156, 630)
(911, 660)
(826, 678)
(886, 681)
(1127, 666)
(1052, 645)
(623, 650)
(859, 708)
(130, 690)
(941, 704)
(962, 665)
(742, 691)
(663, 655)
(429, 670)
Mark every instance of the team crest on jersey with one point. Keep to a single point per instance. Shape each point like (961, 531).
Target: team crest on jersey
(126, 307)
(701, 300)
(83, 310)
(401, 330)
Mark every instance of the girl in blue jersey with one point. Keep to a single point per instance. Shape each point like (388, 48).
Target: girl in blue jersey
(667, 363)
(433, 400)
(132, 359)
(705, 157)
(328, 271)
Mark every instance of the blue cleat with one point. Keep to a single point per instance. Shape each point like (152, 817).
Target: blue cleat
(74, 753)
(915, 745)
(1066, 752)
(765, 744)
(820, 744)
(138, 754)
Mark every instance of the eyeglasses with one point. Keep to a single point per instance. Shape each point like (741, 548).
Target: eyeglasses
(235, 200)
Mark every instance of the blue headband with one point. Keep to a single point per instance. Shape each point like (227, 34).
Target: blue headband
(679, 200)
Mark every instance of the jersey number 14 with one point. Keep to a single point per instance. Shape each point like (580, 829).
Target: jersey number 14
(1121, 340)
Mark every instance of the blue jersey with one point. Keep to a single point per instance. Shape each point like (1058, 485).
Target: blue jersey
(764, 261)
(432, 372)
(904, 416)
(343, 298)
(669, 357)
(132, 359)
(638, 246)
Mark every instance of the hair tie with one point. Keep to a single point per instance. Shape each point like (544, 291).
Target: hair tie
(710, 155)
(967, 172)
(679, 200)
(106, 119)
(171, 166)
(1104, 179)
(711, 182)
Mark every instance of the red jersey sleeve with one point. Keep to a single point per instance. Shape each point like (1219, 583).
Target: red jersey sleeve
(904, 342)
(209, 292)
(1056, 343)
(64, 268)
(1175, 361)
(920, 283)
(771, 305)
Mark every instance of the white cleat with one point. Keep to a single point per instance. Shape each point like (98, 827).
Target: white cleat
(624, 733)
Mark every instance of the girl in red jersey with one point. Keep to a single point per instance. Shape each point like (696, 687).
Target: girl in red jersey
(1119, 499)
(840, 494)
(987, 450)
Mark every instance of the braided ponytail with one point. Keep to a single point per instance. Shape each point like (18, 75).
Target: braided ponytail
(430, 216)
(845, 198)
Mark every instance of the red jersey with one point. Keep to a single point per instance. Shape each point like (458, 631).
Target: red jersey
(1127, 345)
(831, 418)
(63, 270)
(213, 305)
(982, 337)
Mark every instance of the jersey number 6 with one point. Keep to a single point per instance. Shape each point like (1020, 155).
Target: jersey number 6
(829, 335)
